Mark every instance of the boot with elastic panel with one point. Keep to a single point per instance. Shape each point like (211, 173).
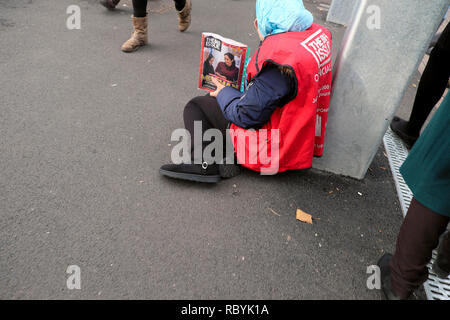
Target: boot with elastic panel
(441, 266)
(400, 128)
(139, 37)
(184, 16)
(209, 173)
(229, 167)
(385, 270)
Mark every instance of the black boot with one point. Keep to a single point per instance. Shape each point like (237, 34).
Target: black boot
(385, 270)
(229, 168)
(399, 126)
(193, 172)
(441, 266)
(109, 4)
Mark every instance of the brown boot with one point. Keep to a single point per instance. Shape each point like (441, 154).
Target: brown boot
(110, 4)
(184, 16)
(138, 37)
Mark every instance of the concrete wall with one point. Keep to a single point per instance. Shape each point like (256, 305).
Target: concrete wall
(371, 74)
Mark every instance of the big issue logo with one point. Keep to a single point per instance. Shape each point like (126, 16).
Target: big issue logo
(318, 45)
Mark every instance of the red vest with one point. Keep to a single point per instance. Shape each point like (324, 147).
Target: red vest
(301, 122)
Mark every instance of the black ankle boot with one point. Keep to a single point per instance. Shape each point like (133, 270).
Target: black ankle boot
(399, 126)
(192, 172)
(229, 168)
(441, 266)
(385, 270)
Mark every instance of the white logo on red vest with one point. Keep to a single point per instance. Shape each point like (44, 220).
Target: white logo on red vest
(318, 45)
(318, 126)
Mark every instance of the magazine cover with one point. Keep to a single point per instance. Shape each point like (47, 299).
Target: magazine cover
(222, 58)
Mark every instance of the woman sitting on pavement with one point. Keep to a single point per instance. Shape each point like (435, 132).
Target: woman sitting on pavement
(289, 78)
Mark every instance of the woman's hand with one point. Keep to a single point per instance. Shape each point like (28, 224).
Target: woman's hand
(218, 85)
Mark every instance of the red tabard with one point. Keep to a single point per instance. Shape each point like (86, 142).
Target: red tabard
(301, 122)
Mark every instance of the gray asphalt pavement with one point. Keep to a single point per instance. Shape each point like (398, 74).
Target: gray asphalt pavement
(84, 129)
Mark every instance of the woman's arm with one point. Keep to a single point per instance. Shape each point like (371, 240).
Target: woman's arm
(254, 107)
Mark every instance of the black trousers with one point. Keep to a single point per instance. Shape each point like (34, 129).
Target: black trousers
(418, 236)
(432, 83)
(206, 110)
(140, 7)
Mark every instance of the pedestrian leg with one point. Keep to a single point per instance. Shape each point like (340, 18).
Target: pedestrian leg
(419, 235)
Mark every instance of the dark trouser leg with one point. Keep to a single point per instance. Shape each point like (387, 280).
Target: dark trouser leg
(419, 235)
(179, 4)
(432, 83)
(206, 110)
(140, 8)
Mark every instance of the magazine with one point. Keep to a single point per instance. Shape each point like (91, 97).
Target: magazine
(224, 59)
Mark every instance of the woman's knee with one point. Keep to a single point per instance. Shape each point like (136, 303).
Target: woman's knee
(192, 105)
(193, 109)
(197, 103)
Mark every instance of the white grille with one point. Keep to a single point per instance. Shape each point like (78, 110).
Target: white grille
(397, 153)
(435, 288)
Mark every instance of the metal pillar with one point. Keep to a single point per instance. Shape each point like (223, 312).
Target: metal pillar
(341, 11)
(374, 67)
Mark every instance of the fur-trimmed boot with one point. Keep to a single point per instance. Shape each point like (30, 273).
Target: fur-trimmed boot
(184, 16)
(109, 4)
(139, 37)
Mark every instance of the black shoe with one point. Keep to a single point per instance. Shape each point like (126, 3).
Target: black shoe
(192, 172)
(385, 270)
(229, 170)
(440, 272)
(441, 266)
(398, 125)
(109, 4)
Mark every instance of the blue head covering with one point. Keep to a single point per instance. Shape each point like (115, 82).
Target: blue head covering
(276, 16)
